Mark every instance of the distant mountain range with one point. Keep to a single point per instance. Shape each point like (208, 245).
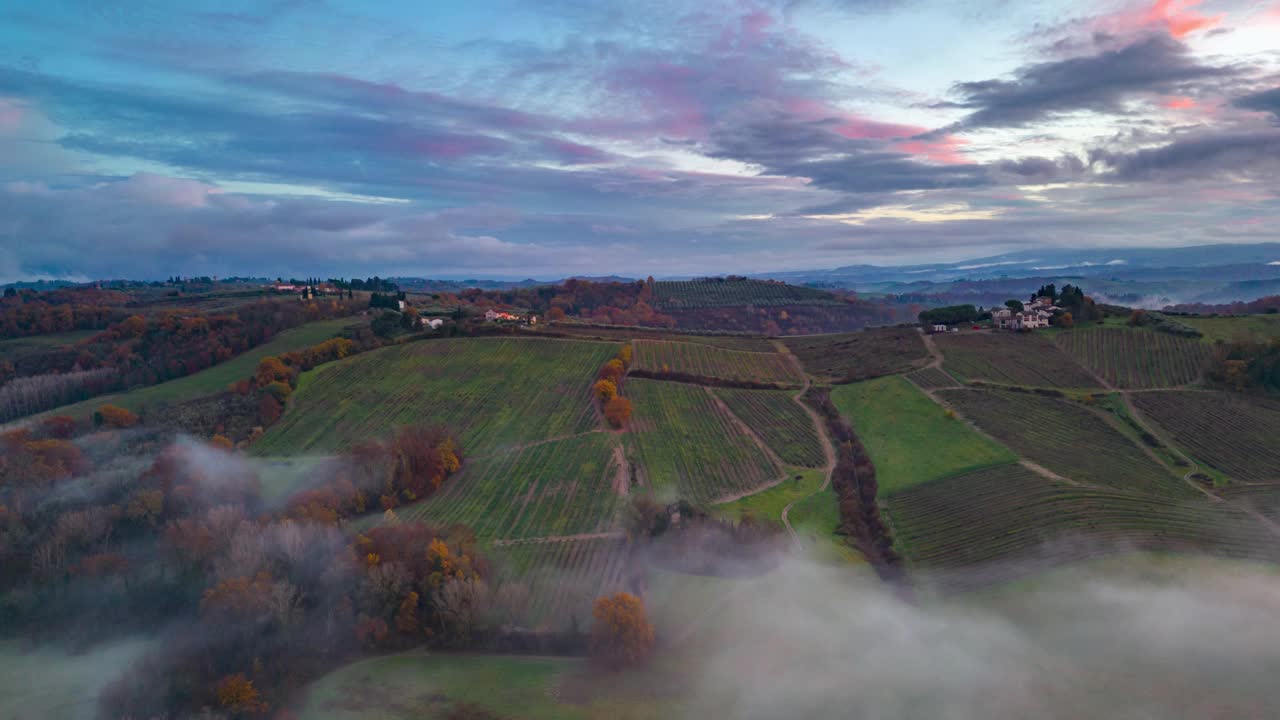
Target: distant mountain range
(1145, 277)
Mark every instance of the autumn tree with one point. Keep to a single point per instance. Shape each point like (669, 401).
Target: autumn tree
(612, 370)
(272, 369)
(59, 426)
(622, 635)
(1066, 319)
(605, 390)
(237, 695)
(113, 416)
(618, 411)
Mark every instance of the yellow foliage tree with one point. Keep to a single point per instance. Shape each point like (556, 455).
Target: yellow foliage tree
(618, 411)
(605, 390)
(237, 694)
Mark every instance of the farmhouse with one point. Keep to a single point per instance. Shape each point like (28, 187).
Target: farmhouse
(500, 316)
(433, 323)
(938, 328)
(1029, 318)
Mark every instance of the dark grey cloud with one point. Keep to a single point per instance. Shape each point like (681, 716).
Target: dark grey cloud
(1243, 154)
(1100, 82)
(1265, 101)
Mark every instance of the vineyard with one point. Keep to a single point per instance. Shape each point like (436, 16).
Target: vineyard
(712, 362)
(495, 393)
(1011, 359)
(932, 379)
(1249, 328)
(724, 292)
(562, 487)
(1234, 434)
(747, 343)
(775, 416)
(1135, 358)
(986, 527)
(910, 438)
(1262, 498)
(561, 580)
(1068, 439)
(689, 446)
(849, 357)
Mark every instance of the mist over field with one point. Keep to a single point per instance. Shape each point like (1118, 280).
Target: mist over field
(1144, 641)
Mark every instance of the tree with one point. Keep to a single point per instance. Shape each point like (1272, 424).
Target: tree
(618, 411)
(1138, 318)
(613, 370)
(1066, 320)
(1014, 305)
(113, 416)
(237, 694)
(59, 426)
(605, 390)
(622, 635)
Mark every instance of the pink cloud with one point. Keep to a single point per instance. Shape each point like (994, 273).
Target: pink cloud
(1178, 17)
(11, 116)
(572, 153)
(946, 150)
(1178, 103)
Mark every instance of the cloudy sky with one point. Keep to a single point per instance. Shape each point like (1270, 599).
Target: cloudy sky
(144, 138)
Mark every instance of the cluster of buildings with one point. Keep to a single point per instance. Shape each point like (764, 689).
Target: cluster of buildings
(503, 316)
(1035, 314)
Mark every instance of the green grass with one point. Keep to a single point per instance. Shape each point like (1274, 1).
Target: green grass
(52, 684)
(779, 420)
(910, 438)
(495, 393)
(767, 505)
(689, 446)
(815, 519)
(209, 380)
(564, 487)
(15, 346)
(1240, 327)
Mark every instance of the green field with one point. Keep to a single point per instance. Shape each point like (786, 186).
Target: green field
(495, 393)
(766, 505)
(1235, 434)
(689, 446)
(562, 487)
(776, 417)
(848, 357)
(39, 343)
(982, 528)
(1009, 358)
(1068, 439)
(1234, 328)
(1136, 357)
(932, 378)
(209, 380)
(910, 438)
(53, 683)
(714, 362)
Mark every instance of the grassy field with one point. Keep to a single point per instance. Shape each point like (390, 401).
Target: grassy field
(1240, 327)
(1068, 439)
(495, 393)
(1135, 357)
(776, 417)
(767, 505)
(1011, 359)
(37, 343)
(987, 527)
(50, 683)
(562, 487)
(715, 362)
(1235, 434)
(848, 357)
(911, 439)
(210, 380)
(688, 446)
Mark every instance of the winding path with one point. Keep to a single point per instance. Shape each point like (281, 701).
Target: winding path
(828, 448)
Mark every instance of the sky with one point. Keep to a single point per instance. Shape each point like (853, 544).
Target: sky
(496, 138)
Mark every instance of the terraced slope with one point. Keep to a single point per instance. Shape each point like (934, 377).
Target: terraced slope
(714, 362)
(910, 438)
(1135, 357)
(1067, 439)
(986, 527)
(849, 357)
(783, 424)
(561, 487)
(1235, 434)
(688, 446)
(496, 393)
(932, 378)
(1010, 359)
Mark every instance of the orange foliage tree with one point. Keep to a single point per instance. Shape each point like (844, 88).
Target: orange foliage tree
(237, 694)
(115, 417)
(622, 635)
(612, 370)
(618, 411)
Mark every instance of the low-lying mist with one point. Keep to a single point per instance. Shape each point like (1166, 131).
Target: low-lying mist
(1151, 639)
